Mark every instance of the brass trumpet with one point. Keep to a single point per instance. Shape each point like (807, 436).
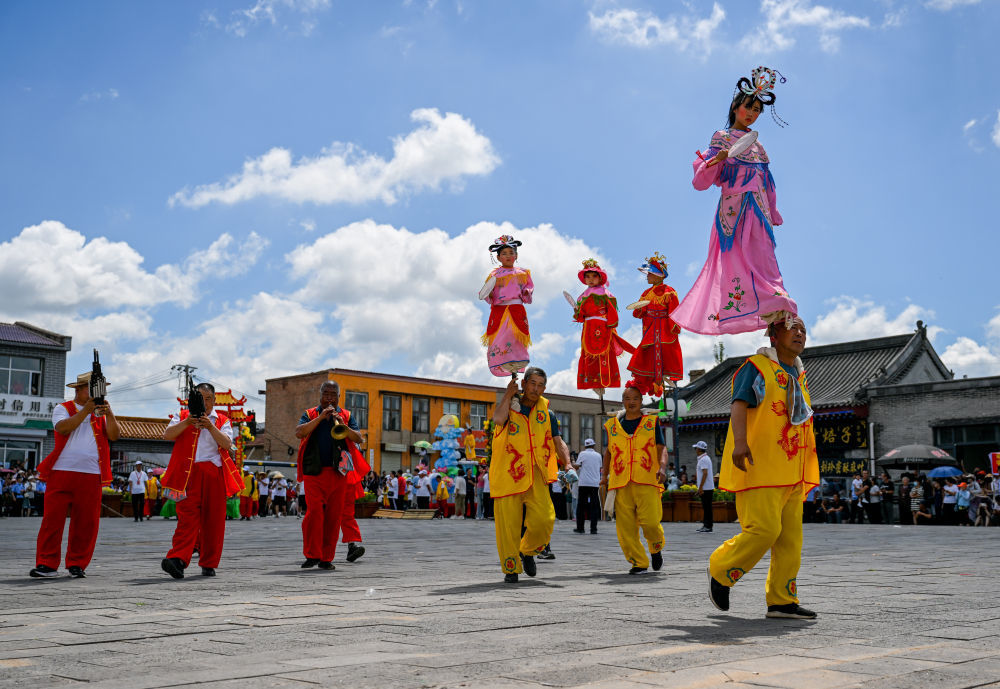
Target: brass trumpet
(339, 431)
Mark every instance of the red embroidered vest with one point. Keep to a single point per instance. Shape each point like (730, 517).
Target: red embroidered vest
(182, 460)
(99, 426)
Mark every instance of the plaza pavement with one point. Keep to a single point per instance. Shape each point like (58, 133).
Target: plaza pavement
(426, 607)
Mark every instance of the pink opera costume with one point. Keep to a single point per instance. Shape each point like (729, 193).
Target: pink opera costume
(507, 289)
(740, 288)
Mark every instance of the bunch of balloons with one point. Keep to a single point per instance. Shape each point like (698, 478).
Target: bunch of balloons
(449, 430)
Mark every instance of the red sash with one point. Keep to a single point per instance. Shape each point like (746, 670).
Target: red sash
(182, 460)
(361, 467)
(98, 424)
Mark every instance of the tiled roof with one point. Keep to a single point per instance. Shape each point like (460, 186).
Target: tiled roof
(838, 373)
(15, 332)
(140, 428)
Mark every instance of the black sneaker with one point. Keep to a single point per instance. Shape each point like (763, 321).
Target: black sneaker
(354, 551)
(578, 531)
(717, 593)
(510, 579)
(77, 572)
(593, 531)
(173, 566)
(42, 571)
(546, 554)
(637, 570)
(326, 565)
(207, 572)
(657, 559)
(792, 611)
(528, 562)
(310, 562)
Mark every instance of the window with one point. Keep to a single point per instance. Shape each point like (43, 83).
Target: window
(16, 451)
(20, 375)
(586, 428)
(453, 407)
(421, 415)
(357, 404)
(564, 425)
(477, 416)
(391, 405)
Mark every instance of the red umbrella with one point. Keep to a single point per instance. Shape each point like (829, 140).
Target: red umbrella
(156, 471)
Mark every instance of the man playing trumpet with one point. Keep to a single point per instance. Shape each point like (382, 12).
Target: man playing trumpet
(328, 452)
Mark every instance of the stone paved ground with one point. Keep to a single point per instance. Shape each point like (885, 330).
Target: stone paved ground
(425, 607)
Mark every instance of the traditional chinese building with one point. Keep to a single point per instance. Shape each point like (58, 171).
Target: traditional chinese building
(869, 396)
(32, 383)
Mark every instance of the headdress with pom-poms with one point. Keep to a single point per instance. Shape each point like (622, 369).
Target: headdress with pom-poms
(760, 85)
(655, 265)
(592, 266)
(502, 242)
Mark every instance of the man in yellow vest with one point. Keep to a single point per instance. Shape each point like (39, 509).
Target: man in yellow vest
(770, 463)
(635, 466)
(526, 443)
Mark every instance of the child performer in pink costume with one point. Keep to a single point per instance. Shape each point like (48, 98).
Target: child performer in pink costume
(740, 287)
(507, 290)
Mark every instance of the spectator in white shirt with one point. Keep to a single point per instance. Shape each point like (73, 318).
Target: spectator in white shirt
(588, 464)
(137, 488)
(705, 480)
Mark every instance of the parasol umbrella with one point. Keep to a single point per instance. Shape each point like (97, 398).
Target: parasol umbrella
(942, 472)
(157, 471)
(423, 444)
(916, 456)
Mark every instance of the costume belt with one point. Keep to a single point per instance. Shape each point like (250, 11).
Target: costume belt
(596, 318)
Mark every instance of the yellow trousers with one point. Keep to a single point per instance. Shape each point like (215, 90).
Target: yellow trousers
(539, 519)
(772, 520)
(638, 506)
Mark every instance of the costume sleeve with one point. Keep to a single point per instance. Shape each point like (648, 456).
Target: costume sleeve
(612, 314)
(528, 289)
(304, 419)
(745, 385)
(772, 201)
(352, 423)
(227, 429)
(705, 176)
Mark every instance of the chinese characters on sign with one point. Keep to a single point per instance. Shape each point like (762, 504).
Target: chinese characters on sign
(841, 467)
(850, 434)
(15, 410)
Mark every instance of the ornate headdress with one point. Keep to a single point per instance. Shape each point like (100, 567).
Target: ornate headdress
(655, 265)
(760, 84)
(502, 242)
(592, 266)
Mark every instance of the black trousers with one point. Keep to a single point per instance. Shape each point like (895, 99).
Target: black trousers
(487, 506)
(590, 505)
(706, 509)
(423, 502)
(559, 503)
(138, 506)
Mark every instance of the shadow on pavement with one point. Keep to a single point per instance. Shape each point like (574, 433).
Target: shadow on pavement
(721, 628)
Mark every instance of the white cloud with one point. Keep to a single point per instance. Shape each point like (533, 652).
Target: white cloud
(398, 293)
(643, 29)
(860, 319)
(947, 5)
(967, 357)
(445, 149)
(996, 131)
(266, 12)
(969, 125)
(92, 96)
(783, 18)
(223, 260)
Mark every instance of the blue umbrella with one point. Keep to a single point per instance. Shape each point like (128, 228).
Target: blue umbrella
(941, 472)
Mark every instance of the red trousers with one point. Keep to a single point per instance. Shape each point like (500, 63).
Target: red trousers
(321, 525)
(349, 529)
(201, 517)
(246, 506)
(80, 494)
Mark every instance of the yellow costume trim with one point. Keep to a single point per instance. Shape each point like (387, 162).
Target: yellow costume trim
(521, 336)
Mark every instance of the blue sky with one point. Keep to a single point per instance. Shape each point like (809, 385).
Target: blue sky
(266, 187)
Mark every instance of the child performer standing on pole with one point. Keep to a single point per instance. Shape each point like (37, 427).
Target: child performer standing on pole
(657, 360)
(740, 288)
(507, 289)
(600, 343)
(770, 463)
(635, 467)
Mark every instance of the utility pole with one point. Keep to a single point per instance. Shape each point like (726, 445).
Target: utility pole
(184, 372)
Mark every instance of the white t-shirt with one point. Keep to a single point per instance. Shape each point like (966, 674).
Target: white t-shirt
(856, 486)
(137, 482)
(589, 464)
(556, 487)
(704, 464)
(424, 487)
(874, 494)
(950, 494)
(460, 484)
(280, 488)
(208, 449)
(263, 485)
(80, 452)
(393, 487)
(486, 483)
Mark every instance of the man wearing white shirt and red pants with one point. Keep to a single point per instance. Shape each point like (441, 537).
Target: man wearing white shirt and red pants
(200, 476)
(74, 473)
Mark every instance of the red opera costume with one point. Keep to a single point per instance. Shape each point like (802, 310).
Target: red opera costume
(75, 492)
(658, 355)
(327, 490)
(597, 310)
(200, 487)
